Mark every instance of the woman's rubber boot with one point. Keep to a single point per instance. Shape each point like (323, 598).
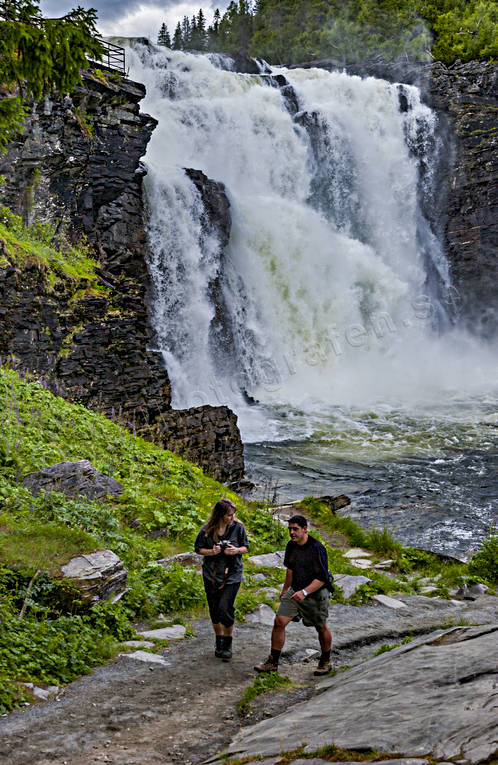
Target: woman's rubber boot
(226, 651)
(219, 646)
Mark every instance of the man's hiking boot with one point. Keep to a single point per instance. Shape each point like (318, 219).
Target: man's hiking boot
(323, 667)
(270, 665)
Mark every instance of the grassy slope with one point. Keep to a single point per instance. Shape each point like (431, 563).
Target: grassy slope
(160, 491)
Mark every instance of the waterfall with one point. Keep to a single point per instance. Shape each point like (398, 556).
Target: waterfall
(324, 286)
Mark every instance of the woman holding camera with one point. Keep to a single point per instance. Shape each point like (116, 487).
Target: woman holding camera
(222, 541)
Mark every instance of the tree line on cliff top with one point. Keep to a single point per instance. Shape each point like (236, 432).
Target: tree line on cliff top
(293, 31)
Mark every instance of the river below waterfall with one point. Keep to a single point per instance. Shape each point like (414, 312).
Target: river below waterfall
(429, 475)
(328, 324)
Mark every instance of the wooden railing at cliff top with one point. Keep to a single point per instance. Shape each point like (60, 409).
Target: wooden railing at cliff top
(113, 56)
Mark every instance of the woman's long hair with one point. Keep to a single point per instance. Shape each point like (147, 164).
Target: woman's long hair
(220, 509)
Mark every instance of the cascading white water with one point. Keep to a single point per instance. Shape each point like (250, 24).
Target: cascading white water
(329, 318)
(325, 272)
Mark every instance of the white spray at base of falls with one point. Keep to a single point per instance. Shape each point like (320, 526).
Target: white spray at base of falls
(323, 285)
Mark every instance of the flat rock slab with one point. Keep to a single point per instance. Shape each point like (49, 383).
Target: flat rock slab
(435, 696)
(361, 562)
(403, 761)
(262, 615)
(183, 559)
(138, 644)
(73, 479)
(357, 552)
(150, 658)
(175, 632)
(272, 560)
(270, 592)
(349, 584)
(385, 600)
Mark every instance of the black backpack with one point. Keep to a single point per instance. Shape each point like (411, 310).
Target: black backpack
(329, 583)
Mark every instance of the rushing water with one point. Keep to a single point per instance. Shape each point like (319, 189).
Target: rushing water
(364, 384)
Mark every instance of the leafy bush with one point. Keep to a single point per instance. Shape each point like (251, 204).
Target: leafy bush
(50, 651)
(159, 590)
(111, 618)
(55, 256)
(45, 596)
(484, 564)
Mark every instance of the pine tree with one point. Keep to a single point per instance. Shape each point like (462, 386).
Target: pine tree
(178, 38)
(213, 33)
(201, 31)
(194, 36)
(39, 56)
(186, 33)
(163, 37)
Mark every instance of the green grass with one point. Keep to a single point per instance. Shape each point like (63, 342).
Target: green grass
(51, 253)
(269, 681)
(39, 545)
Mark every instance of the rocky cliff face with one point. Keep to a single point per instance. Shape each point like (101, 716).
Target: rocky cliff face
(465, 214)
(77, 166)
(468, 96)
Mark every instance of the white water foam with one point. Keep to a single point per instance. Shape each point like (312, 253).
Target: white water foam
(324, 282)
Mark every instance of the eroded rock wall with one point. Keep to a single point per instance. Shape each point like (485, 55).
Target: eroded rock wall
(77, 166)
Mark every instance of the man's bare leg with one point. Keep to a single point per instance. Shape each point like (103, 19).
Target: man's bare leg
(278, 632)
(325, 638)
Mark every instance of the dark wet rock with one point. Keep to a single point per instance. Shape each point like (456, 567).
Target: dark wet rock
(98, 575)
(335, 503)
(74, 479)
(206, 435)
(216, 218)
(245, 64)
(216, 223)
(435, 696)
(77, 166)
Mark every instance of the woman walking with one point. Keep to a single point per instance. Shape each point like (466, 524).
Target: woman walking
(222, 541)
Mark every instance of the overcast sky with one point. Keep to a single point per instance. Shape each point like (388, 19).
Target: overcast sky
(134, 18)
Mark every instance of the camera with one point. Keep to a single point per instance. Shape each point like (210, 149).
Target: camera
(224, 544)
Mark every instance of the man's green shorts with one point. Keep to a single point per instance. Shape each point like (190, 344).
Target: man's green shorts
(313, 610)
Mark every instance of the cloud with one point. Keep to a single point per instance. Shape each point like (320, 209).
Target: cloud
(110, 11)
(135, 18)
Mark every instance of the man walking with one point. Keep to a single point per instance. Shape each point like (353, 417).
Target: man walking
(304, 595)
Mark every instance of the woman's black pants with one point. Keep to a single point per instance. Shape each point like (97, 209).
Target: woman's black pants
(221, 602)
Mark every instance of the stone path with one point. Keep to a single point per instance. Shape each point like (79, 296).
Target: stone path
(132, 712)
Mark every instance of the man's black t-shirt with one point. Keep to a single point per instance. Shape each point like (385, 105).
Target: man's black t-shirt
(307, 562)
